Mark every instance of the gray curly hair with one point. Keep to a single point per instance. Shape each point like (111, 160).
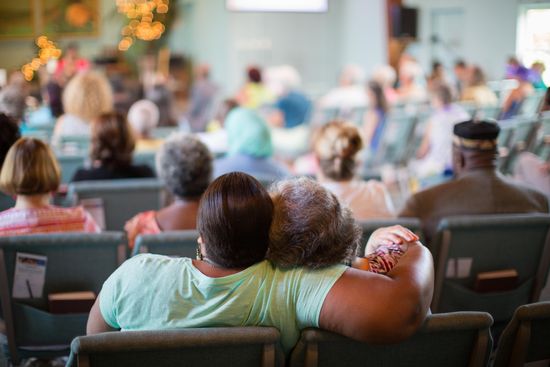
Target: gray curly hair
(184, 164)
(310, 228)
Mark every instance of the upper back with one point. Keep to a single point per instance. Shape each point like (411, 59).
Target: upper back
(43, 220)
(159, 292)
(476, 192)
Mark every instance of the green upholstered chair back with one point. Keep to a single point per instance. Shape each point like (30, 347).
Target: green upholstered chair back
(146, 158)
(397, 136)
(526, 338)
(487, 112)
(229, 346)
(69, 165)
(75, 262)
(122, 199)
(454, 339)
(531, 105)
(372, 225)
(6, 201)
(468, 245)
(163, 132)
(172, 243)
(74, 144)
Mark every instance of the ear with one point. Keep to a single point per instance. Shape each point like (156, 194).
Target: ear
(200, 241)
(462, 160)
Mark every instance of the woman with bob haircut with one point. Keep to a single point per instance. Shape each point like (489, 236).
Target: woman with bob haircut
(85, 97)
(230, 284)
(184, 165)
(31, 173)
(310, 228)
(111, 151)
(336, 146)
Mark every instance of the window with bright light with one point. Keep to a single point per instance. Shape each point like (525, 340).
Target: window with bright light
(533, 41)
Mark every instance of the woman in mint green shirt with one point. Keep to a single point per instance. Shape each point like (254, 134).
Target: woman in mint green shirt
(232, 285)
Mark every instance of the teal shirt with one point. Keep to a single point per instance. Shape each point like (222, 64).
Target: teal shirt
(151, 292)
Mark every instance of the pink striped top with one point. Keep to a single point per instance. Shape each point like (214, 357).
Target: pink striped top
(46, 220)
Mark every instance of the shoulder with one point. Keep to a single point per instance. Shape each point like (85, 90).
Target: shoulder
(148, 265)
(140, 220)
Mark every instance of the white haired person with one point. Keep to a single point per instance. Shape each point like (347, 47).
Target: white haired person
(292, 107)
(386, 76)
(184, 165)
(144, 116)
(410, 88)
(350, 93)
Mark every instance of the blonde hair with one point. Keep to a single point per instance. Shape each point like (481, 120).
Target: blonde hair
(88, 95)
(336, 144)
(30, 168)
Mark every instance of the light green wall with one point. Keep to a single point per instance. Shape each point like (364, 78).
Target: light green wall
(317, 44)
(489, 31)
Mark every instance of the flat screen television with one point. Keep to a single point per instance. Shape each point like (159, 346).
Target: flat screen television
(298, 6)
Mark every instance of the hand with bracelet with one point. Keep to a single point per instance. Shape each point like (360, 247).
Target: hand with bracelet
(384, 248)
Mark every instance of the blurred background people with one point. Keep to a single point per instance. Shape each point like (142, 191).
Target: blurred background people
(143, 117)
(111, 151)
(85, 98)
(202, 100)
(250, 148)
(336, 146)
(184, 165)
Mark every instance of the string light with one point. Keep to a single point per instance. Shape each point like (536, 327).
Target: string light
(142, 24)
(47, 51)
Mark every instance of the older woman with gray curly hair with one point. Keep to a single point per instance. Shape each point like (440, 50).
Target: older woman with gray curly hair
(184, 165)
(311, 228)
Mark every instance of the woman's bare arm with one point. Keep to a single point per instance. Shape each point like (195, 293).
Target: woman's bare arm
(96, 323)
(381, 308)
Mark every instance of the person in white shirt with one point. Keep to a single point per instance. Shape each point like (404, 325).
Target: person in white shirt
(435, 152)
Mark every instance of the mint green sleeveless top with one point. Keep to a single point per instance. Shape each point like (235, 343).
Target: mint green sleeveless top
(151, 292)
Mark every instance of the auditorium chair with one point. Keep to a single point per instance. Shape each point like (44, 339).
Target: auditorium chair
(74, 144)
(487, 112)
(468, 245)
(526, 338)
(371, 225)
(75, 262)
(162, 132)
(145, 158)
(532, 104)
(6, 201)
(171, 243)
(396, 140)
(69, 164)
(454, 339)
(121, 199)
(224, 346)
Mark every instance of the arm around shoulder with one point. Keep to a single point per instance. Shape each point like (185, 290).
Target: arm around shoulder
(381, 309)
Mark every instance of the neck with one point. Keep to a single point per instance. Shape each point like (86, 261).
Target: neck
(32, 201)
(187, 202)
(478, 165)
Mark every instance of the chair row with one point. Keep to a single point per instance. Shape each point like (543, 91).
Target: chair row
(77, 262)
(523, 134)
(451, 339)
(464, 247)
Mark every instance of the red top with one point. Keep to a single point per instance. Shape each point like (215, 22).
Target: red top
(46, 220)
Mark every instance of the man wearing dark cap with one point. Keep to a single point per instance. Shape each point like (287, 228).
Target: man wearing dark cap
(477, 188)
